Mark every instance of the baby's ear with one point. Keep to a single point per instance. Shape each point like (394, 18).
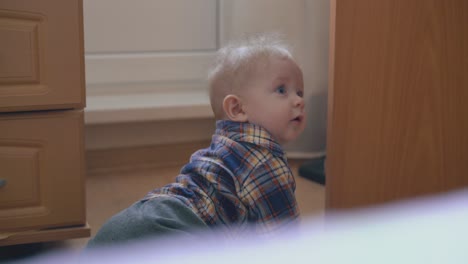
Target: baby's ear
(232, 106)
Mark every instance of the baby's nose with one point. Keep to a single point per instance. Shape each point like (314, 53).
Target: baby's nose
(299, 102)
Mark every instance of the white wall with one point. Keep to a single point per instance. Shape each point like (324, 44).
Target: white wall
(143, 49)
(315, 67)
(147, 46)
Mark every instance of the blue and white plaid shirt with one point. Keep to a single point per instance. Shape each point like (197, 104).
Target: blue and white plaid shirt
(242, 178)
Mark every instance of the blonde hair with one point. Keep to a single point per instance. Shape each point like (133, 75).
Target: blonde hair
(236, 62)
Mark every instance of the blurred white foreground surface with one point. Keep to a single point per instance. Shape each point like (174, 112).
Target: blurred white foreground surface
(429, 230)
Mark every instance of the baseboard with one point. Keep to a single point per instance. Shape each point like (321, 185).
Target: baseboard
(299, 155)
(111, 160)
(45, 235)
(140, 157)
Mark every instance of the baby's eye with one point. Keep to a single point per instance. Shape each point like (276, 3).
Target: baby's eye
(300, 93)
(281, 89)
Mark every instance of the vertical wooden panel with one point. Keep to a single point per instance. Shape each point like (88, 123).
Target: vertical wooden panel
(398, 124)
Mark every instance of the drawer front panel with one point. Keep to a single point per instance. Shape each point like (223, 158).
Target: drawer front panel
(42, 170)
(41, 50)
(20, 173)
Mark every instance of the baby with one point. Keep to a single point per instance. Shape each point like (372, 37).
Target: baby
(242, 179)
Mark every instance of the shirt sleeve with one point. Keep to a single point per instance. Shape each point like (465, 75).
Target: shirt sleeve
(269, 194)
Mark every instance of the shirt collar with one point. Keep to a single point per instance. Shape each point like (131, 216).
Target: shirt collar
(250, 133)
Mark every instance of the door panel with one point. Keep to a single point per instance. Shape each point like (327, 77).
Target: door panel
(398, 119)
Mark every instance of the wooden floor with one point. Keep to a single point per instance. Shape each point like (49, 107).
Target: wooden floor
(110, 192)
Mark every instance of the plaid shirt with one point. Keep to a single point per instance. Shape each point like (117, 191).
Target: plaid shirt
(243, 177)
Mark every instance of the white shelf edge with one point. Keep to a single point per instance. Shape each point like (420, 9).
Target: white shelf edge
(146, 107)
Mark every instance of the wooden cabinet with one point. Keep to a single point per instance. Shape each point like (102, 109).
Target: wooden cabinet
(398, 112)
(42, 96)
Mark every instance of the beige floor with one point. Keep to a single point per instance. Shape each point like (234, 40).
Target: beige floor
(108, 193)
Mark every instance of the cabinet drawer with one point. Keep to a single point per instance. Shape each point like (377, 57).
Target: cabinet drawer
(42, 168)
(19, 167)
(42, 55)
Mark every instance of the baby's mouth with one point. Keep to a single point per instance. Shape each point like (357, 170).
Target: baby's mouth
(298, 118)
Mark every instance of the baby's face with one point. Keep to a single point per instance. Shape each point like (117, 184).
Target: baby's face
(274, 99)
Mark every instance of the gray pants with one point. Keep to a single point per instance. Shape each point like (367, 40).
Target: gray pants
(159, 216)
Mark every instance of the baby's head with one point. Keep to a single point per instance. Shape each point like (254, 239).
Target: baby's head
(258, 81)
